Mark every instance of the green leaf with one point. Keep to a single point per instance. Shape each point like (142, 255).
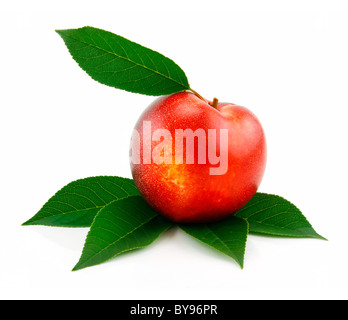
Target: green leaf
(77, 203)
(117, 62)
(229, 236)
(274, 216)
(119, 227)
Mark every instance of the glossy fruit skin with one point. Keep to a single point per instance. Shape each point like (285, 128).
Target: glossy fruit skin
(188, 193)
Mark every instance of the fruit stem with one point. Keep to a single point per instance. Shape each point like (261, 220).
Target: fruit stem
(215, 103)
(198, 95)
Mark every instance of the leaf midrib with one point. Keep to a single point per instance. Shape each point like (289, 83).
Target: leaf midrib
(221, 241)
(230, 253)
(112, 243)
(69, 212)
(300, 234)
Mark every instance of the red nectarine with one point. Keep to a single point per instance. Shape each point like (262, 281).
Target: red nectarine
(193, 162)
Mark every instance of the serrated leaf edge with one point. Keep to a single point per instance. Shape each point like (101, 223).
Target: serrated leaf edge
(240, 263)
(318, 236)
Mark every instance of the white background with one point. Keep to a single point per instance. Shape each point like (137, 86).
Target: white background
(284, 60)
